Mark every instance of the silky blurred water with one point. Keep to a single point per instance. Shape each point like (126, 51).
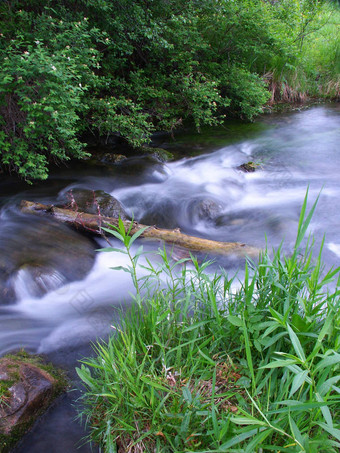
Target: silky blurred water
(59, 314)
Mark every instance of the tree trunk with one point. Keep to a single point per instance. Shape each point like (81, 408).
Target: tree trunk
(94, 223)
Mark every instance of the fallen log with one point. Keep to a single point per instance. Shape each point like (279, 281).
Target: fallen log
(94, 223)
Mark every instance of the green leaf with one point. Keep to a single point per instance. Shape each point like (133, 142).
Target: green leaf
(244, 435)
(114, 233)
(298, 381)
(187, 395)
(296, 344)
(154, 384)
(296, 432)
(85, 375)
(248, 354)
(325, 411)
(303, 224)
(247, 421)
(279, 364)
(296, 406)
(257, 440)
(331, 430)
(137, 234)
(112, 249)
(121, 268)
(235, 320)
(196, 326)
(327, 385)
(328, 361)
(208, 359)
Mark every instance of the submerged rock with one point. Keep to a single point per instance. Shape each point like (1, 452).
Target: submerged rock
(206, 210)
(112, 158)
(38, 255)
(93, 202)
(27, 388)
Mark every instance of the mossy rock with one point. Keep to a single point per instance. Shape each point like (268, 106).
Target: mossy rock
(249, 167)
(27, 388)
(159, 153)
(112, 158)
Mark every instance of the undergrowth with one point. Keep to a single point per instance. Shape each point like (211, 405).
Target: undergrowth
(196, 365)
(314, 69)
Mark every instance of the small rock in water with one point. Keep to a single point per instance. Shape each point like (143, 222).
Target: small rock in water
(248, 167)
(206, 210)
(160, 154)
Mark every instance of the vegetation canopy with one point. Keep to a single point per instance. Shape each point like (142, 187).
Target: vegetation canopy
(131, 67)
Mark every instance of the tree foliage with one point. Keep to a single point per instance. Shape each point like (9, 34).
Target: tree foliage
(131, 67)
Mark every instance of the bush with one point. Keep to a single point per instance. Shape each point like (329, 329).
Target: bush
(42, 92)
(130, 67)
(196, 365)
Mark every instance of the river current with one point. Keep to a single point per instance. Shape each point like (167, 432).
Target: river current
(202, 192)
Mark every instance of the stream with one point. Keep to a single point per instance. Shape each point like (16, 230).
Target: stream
(58, 294)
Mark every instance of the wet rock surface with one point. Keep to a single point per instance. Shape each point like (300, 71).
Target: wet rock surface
(92, 202)
(248, 167)
(204, 210)
(26, 391)
(50, 256)
(160, 154)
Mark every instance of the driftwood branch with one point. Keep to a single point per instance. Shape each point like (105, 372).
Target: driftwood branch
(94, 223)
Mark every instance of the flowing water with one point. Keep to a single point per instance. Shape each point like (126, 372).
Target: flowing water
(58, 295)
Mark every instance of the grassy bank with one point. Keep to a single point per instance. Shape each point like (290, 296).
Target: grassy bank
(200, 364)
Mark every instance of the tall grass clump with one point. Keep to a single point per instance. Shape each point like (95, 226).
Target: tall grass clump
(196, 365)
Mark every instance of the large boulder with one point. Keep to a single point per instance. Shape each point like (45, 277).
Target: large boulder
(27, 388)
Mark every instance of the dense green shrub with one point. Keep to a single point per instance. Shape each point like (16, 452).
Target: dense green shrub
(43, 86)
(130, 67)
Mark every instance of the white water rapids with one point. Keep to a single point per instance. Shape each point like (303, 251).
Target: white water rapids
(204, 195)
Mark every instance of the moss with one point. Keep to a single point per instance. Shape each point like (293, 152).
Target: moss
(8, 442)
(160, 153)
(23, 356)
(5, 385)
